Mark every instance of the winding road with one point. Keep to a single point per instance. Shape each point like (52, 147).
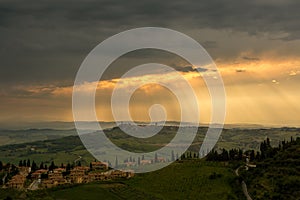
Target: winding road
(79, 158)
(244, 186)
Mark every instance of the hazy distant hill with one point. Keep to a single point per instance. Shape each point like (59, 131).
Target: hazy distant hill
(49, 125)
(233, 134)
(53, 145)
(70, 125)
(30, 135)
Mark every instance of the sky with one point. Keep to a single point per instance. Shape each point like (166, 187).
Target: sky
(255, 45)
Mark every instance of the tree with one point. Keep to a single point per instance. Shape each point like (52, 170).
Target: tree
(33, 166)
(28, 163)
(252, 155)
(283, 144)
(225, 156)
(68, 167)
(7, 166)
(266, 149)
(52, 166)
(116, 163)
(183, 156)
(14, 169)
(258, 157)
(20, 163)
(268, 142)
(42, 165)
(240, 155)
(24, 163)
(172, 156)
(232, 154)
(196, 155)
(79, 164)
(1, 165)
(279, 146)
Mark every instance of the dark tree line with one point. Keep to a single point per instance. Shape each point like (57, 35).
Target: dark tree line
(266, 151)
(224, 155)
(188, 155)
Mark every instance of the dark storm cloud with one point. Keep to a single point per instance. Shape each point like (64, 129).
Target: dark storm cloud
(250, 58)
(209, 44)
(188, 68)
(46, 41)
(240, 70)
(184, 68)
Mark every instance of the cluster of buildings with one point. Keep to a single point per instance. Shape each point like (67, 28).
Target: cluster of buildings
(44, 178)
(18, 180)
(97, 171)
(131, 163)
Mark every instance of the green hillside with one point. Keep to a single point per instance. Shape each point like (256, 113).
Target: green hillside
(278, 176)
(30, 135)
(54, 147)
(275, 177)
(190, 179)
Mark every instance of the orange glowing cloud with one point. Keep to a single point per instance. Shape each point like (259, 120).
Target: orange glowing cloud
(257, 89)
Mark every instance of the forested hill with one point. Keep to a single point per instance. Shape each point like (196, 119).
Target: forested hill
(278, 175)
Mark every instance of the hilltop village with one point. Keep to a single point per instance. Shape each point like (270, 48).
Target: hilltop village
(28, 176)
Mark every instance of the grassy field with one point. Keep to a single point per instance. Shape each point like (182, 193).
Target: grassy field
(31, 135)
(191, 179)
(62, 150)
